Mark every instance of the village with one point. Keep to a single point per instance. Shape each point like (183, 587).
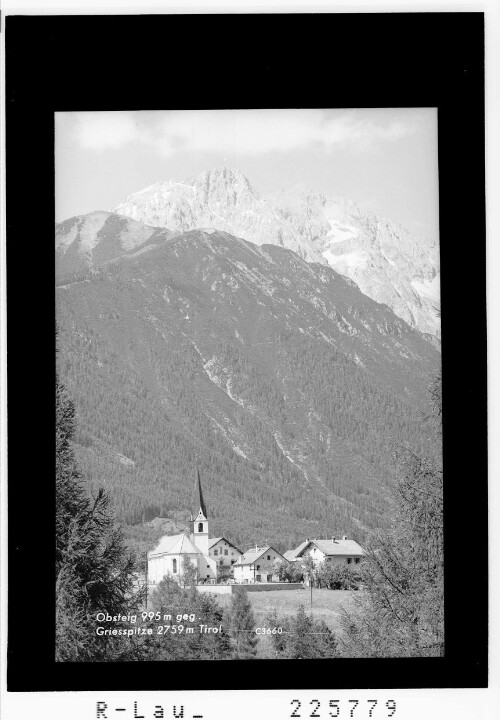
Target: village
(219, 565)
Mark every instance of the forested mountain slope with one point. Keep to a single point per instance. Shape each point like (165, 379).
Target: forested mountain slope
(288, 385)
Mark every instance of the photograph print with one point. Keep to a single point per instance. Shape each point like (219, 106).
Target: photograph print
(248, 410)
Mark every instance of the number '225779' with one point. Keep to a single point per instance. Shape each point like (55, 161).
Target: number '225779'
(347, 709)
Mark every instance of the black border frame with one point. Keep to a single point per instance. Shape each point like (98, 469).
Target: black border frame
(63, 63)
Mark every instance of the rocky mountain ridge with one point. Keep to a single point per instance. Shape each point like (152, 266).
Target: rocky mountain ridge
(388, 263)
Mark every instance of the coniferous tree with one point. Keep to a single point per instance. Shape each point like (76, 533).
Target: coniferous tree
(302, 636)
(401, 611)
(241, 623)
(301, 640)
(169, 598)
(94, 573)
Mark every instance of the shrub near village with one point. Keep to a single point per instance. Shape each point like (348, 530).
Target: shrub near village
(289, 571)
(169, 598)
(337, 576)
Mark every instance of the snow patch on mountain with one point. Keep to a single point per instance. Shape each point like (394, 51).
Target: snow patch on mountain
(428, 288)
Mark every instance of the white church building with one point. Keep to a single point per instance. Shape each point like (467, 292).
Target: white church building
(173, 551)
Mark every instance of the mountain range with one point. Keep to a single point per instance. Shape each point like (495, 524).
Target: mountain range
(285, 384)
(386, 261)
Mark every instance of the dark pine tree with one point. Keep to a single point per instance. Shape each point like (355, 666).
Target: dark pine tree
(302, 636)
(242, 625)
(301, 639)
(94, 573)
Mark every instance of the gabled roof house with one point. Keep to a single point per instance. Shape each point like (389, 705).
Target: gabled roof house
(256, 565)
(327, 550)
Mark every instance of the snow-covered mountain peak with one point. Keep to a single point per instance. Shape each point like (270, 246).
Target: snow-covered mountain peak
(388, 263)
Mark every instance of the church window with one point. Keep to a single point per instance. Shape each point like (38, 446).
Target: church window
(200, 527)
(174, 565)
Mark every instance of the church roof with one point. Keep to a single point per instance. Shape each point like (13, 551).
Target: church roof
(175, 545)
(254, 554)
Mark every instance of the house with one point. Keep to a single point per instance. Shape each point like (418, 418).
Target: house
(338, 550)
(223, 551)
(192, 547)
(257, 565)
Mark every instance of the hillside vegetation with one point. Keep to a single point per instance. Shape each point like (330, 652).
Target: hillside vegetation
(287, 385)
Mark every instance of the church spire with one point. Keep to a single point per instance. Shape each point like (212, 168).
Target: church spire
(199, 495)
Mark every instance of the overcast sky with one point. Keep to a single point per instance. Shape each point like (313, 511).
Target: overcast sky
(383, 159)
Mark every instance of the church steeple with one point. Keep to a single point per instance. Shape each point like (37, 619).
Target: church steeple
(199, 502)
(199, 533)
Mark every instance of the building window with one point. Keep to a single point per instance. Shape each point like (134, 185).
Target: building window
(268, 557)
(200, 527)
(221, 562)
(356, 561)
(174, 565)
(216, 552)
(232, 562)
(208, 566)
(258, 578)
(348, 561)
(258, 567)
(225, 552)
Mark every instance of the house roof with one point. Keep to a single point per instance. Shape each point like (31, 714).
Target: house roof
(339, 547)
(254, 554)
(175, 545)
(214, 541)
(294, 554)
(327, 546)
